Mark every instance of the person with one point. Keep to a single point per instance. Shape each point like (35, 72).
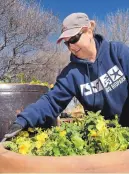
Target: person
(98, 75)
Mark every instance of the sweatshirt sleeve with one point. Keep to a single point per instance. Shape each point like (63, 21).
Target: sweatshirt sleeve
(50, 105)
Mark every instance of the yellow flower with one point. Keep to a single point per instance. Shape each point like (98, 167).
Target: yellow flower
(30, 129)
(41, 137)
(38, 144)
(75, 123)
(51, 86)
(62, 133)
(57, 128)
(45, 84)
(19, 140)
(101, 125)
(93, 133)
(24, 148)
(24, 134)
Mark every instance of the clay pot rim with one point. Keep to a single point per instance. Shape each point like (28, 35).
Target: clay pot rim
(105, 162)
(20, 84)
(21, 87)
(4, 150)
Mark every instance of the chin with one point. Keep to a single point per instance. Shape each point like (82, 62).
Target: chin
(79, 55)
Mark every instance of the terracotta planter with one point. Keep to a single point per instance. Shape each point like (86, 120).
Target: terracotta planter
(106, 162)
(14, 98)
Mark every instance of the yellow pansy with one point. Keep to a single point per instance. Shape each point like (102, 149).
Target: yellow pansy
(57, 128)
(62, 133)
(45, 84)
(38, 144)
(51, 86)
(41, 137)
(101, 125)
(93, 133)
(24, 134)
(24, 148)
(30, 129)
(19, 140)
(75, 123)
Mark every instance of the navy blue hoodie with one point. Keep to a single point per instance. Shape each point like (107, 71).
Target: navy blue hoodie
(102, 85)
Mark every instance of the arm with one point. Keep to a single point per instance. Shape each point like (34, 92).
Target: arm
(50, 105)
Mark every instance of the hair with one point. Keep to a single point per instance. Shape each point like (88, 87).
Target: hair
(92, 26)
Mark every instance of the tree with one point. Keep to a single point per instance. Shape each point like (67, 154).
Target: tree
(25, 30)
(115, 26)
(44, 66)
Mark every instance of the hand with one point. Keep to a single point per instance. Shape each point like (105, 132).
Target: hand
(13, 130)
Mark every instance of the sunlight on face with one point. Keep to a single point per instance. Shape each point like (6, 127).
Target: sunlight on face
(82, 47)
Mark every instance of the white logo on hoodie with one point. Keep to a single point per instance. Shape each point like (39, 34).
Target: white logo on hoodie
(108, 81)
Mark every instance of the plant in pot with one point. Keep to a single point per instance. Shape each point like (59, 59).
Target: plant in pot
(80, 146)
(14, 97)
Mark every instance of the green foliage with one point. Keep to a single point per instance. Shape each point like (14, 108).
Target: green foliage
(22, 79)
(7, 79)
(91, 134)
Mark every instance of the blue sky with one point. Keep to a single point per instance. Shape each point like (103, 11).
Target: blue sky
(99, 8)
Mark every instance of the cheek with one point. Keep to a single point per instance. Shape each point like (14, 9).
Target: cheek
(85, 42)
(74, 46)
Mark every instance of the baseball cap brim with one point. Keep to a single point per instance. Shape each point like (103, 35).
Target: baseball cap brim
(69, 33)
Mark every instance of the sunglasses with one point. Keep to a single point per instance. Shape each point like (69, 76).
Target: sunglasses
(73, 39)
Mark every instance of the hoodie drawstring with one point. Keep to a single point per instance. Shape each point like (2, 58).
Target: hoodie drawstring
(88, 73)
(97, 86)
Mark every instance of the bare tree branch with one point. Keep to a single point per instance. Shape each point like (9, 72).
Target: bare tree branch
(25, 30)
(115, 27)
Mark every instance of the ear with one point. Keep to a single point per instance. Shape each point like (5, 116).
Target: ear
(93, 24)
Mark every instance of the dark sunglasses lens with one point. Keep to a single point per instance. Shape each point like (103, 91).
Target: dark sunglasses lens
(74, 39)
(66, 43)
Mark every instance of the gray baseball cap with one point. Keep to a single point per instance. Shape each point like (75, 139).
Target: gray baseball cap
(73, 24)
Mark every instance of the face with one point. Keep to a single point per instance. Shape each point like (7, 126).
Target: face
(81, 44)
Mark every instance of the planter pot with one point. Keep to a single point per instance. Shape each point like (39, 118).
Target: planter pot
(13, 99)
(106, 162)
